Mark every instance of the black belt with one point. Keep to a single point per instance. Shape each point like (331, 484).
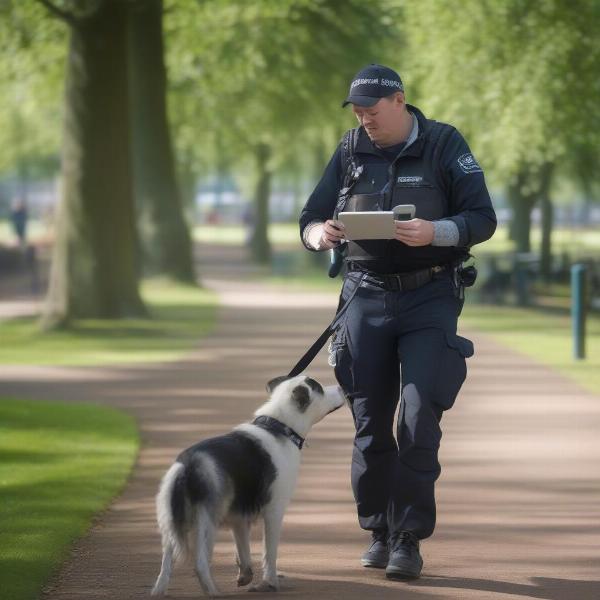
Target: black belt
(400, 282)
(391, 282)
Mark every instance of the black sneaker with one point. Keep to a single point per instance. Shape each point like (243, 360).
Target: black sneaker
(405, 562)
(377, 554)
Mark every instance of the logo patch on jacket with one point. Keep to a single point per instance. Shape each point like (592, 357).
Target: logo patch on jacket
(468, 164)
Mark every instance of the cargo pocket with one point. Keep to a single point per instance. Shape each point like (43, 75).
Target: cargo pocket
(453, 369)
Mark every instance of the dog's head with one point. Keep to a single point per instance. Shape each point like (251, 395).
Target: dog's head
(300, 401)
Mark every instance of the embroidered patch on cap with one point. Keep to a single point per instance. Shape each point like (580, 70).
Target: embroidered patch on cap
(468, 164)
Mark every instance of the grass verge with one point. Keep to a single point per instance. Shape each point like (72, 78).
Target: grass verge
(59, 465)
(542, 334)
(179, 316)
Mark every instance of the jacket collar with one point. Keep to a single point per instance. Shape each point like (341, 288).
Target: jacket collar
(275, 426)
(365, 146)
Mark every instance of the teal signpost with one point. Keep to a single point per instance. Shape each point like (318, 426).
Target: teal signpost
(578, 309)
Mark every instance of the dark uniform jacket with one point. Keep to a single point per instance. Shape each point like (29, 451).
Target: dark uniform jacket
(437, 173)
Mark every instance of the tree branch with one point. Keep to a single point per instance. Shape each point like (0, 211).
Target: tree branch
(65, 15)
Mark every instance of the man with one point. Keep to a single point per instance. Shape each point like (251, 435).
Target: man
(399, 328)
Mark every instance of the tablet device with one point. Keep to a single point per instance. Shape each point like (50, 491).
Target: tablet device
(368, 225)
(376, 224)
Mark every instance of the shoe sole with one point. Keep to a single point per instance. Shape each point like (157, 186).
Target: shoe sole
(401, 573)
(372, 564)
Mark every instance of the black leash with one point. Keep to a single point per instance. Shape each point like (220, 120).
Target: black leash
(314, 349)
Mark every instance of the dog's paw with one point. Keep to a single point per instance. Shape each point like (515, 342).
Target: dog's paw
(245, 577)
(263, 586)
(158, 590)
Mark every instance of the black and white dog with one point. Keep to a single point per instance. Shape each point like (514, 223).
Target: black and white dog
(234, 478)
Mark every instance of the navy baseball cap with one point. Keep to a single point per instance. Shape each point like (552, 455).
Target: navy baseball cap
(373, 83)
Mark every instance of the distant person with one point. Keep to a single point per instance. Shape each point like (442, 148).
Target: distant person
(18, 217)
(248, 222)
(397, 337)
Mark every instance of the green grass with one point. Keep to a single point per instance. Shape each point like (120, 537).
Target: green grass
(279, 234)
(37, 231)
(59, 465)
(575, 241)
(544, 335)
(180, 315)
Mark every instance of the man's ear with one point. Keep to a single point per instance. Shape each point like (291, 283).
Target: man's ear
(301, 396)
(275, 382)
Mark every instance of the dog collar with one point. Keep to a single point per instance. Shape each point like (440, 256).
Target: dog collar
(275, 426)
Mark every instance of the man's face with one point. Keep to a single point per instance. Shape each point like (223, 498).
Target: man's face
(381, 120)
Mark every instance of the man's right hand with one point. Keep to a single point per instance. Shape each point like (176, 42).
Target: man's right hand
(333, 233)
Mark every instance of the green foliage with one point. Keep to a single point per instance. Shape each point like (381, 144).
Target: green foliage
(244, 73)
(60, 464)
(33, 50)
(519, 77)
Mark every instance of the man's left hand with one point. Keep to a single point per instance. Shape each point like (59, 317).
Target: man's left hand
(416, 232)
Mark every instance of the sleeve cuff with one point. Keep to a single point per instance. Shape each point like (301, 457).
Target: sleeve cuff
(445, 233)
(463, 230)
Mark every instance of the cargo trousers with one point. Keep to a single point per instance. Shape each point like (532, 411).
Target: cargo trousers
(390, 347)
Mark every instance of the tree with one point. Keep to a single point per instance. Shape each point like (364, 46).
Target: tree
(263, 74)
(33, 55)
(94, 272)
(165, 238)
(520, 79)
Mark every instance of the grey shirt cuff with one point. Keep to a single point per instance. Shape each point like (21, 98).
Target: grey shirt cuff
(445, 233)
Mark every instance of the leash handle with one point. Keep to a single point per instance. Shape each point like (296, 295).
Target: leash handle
(310, 354)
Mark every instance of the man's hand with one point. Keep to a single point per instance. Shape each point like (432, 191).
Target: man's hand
(416, 232)
(333, 234)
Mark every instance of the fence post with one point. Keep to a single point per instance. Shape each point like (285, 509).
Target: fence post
(578, 309)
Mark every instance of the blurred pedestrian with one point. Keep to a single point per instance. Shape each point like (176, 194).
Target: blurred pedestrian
(18, 217)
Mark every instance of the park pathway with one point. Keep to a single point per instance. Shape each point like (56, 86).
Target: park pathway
(518, 499)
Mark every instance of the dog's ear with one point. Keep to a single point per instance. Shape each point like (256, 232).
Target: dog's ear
(301, 396)
(315, 386)
(275, 382)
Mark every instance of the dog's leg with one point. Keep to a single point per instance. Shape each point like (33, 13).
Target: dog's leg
(162, 582)
(241, 534)
(273, 519)
(204, 549)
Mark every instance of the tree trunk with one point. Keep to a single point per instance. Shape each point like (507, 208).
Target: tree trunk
(93, 269)
(522, 204)
(547, 223)
(259, 242)
(188, 180)
(165, 237)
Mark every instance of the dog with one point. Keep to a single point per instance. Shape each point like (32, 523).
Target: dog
(235, 478)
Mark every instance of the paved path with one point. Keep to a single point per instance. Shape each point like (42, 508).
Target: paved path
(519, 496)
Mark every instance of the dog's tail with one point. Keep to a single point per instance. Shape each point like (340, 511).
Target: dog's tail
(173, 510)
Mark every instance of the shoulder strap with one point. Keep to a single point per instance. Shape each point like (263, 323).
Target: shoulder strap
(439, 137)
(349, 141)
